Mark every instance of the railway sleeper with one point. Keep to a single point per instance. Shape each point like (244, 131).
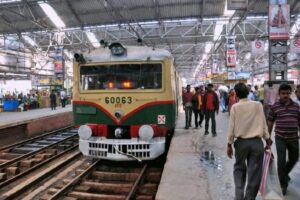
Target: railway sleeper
(153, 177)
(51, 151)
(91, 196)
(12, 171)
(24, 150)
(147, 189)
(144, 197)
(3, 161)
(2, 176)
(113, 176)
(114, 188)
(8, 156)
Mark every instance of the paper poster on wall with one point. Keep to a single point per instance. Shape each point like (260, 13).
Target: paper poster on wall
(279, 22)
(231, 57)
(258, 47)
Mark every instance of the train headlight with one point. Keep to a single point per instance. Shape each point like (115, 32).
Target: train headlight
(84, 132)
(146, 132)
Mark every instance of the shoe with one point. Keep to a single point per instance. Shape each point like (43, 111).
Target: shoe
(186, 127)
(206, 133)
(284, 191)
(214, 134)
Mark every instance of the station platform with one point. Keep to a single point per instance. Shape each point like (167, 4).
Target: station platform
(198, 168)
(15, 126)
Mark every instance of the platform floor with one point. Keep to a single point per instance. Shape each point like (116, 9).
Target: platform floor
(8, 119)
(197, 166)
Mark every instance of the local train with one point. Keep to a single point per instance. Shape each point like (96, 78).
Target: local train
(125, 101)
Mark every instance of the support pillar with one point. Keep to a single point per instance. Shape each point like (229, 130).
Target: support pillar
(278, 60)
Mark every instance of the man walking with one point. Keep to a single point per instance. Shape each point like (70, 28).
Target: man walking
(248, 125)
(210, 107)
(197, 105)
(187, 106)
(286, 114)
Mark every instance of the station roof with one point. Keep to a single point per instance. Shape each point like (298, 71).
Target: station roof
(193, 30)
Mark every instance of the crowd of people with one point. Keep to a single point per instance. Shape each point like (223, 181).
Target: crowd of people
(35, 99)
(252, 115)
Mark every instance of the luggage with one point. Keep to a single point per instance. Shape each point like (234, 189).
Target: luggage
(270, 186)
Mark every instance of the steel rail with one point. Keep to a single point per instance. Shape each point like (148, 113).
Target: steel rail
(34, 152)
(34, 138)
(137, 182)
(37, 180)
(14, 178)
(74, 181)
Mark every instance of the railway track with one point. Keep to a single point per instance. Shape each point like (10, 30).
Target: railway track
(50, 167)
(19, 160)
(110, 181)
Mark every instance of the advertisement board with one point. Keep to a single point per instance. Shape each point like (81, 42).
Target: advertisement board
(231, 57)
(279, 22)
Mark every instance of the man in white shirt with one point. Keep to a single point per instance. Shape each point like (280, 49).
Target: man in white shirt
(297, 93)
(63, 98)
(248, 125)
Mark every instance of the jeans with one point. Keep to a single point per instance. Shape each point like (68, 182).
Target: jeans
(284, 167)
(201, 117)
(210, 114)
(188, 116)
(250, 151)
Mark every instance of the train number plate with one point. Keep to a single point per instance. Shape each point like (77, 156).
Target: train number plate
(118, 100)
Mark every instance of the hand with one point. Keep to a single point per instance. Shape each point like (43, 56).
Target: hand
(269, 143)
(217, 111)
(229, 151)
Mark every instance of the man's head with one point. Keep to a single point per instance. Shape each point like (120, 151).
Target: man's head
(201, 88)
(241, 90)
(297, 92)
(197, 89)
(188, 88)
(210, 87)
(284, 92)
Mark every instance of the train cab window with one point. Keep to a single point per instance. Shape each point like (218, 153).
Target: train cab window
(121, 76)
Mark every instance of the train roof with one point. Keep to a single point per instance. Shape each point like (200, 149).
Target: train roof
(133, 53)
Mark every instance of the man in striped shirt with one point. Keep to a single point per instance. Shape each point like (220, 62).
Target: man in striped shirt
(286, 114)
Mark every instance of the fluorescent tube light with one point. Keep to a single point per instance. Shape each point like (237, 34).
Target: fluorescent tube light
(92, 38)
(50, 12)
(29, 40)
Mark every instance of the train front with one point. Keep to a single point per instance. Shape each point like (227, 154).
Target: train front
(124, 104)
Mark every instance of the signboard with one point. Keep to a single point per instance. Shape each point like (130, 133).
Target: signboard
(59, 61)
(279, 22)
(231, 57)
(238, 75)
(258, 47)
(237, 4)
(295, 46)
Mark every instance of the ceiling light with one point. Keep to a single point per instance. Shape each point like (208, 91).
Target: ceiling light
(248, 56)
(29, 40)
(208, 47)
(92, 38)
(50, 12)
(9, 1)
